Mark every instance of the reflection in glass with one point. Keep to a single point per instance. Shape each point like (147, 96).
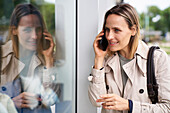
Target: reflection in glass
(28, 74)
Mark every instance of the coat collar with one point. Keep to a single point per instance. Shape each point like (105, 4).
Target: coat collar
(8, 55)
(129, 68)
(35, 62)
(140, 59)
(7, 48)
(141, 56)
(142, 50)
(114, 64)
(135, 66)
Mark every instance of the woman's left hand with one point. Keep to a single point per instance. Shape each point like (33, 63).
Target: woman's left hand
(48, 54)
(113, 101)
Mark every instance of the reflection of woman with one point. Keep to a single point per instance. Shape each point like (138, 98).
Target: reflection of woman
(25, 62)
(119, 81)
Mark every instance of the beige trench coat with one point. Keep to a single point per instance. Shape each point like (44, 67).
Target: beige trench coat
(136, 72)
(38, 80)
(11, 67)
(6, 104)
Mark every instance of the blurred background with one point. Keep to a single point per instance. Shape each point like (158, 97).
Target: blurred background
(46, 8)
(74, 25)
(155, 21)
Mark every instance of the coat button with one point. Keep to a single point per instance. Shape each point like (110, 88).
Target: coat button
(141, 91)
(90, 78)
(3, 88)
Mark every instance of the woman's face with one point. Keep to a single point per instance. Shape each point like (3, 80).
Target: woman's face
(28, 31)
(117, 33)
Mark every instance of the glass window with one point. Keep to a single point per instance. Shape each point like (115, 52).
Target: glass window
(37, 56)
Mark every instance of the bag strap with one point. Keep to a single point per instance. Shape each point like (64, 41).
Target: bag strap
(152, 85)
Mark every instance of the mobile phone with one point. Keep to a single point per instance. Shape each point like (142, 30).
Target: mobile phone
(103, 43)
(46, 43)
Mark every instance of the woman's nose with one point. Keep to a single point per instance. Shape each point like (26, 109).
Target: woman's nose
(34, 34)
(110, 36)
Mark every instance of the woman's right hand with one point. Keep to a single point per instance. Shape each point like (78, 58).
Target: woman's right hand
(99, 54)
(48, 54)
(26, 100)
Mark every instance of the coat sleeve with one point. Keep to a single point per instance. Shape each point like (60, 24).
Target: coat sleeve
(50, 93)
(162, 70)
(97, 86)
(6, 104)
(11, 107)
(49, 76)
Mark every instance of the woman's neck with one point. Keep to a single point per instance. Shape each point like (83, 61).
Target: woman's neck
(25, 52)
(125, 53)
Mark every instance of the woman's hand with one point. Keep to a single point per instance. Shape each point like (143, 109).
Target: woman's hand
(48, 54)
(26, 100)
(99, 54)
(113, 101)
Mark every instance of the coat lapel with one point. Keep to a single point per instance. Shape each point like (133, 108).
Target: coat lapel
(35, 62)
(135, 66)
(14, 67)
(7, 53)
(130, 70)
(141, 56)
(115, 65)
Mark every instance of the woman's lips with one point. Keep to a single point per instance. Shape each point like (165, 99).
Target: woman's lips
(33, 43)
(113, 43)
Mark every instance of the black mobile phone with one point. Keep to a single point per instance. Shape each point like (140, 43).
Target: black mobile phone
(46, 43)
(103, 43)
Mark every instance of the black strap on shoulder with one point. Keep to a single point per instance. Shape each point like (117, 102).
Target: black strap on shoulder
(152, 85)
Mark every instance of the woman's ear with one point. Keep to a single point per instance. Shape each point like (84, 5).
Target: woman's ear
(133, 30)
(14, 30)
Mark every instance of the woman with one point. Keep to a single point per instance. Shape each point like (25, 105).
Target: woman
(119, 82)
(27, 63)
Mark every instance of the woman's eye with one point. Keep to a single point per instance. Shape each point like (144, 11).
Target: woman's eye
(106, 30)
(27, 30)
(117, 30)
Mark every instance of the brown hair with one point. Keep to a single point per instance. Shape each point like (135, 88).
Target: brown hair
(20, 11)
(131, 17)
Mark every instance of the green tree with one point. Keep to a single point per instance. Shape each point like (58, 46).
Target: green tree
(142, 20)
(166, 19)
(153, 12)
(48, 12)
(7, 7)
(162, 24)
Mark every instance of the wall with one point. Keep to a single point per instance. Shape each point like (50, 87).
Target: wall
(90, 19)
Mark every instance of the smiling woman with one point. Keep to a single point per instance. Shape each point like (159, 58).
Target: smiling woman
(29, 31)
(27, 25)
(118, 81)
(116, 31)
(28, 69)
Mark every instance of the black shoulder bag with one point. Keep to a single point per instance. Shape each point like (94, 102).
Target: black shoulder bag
(152, 85)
